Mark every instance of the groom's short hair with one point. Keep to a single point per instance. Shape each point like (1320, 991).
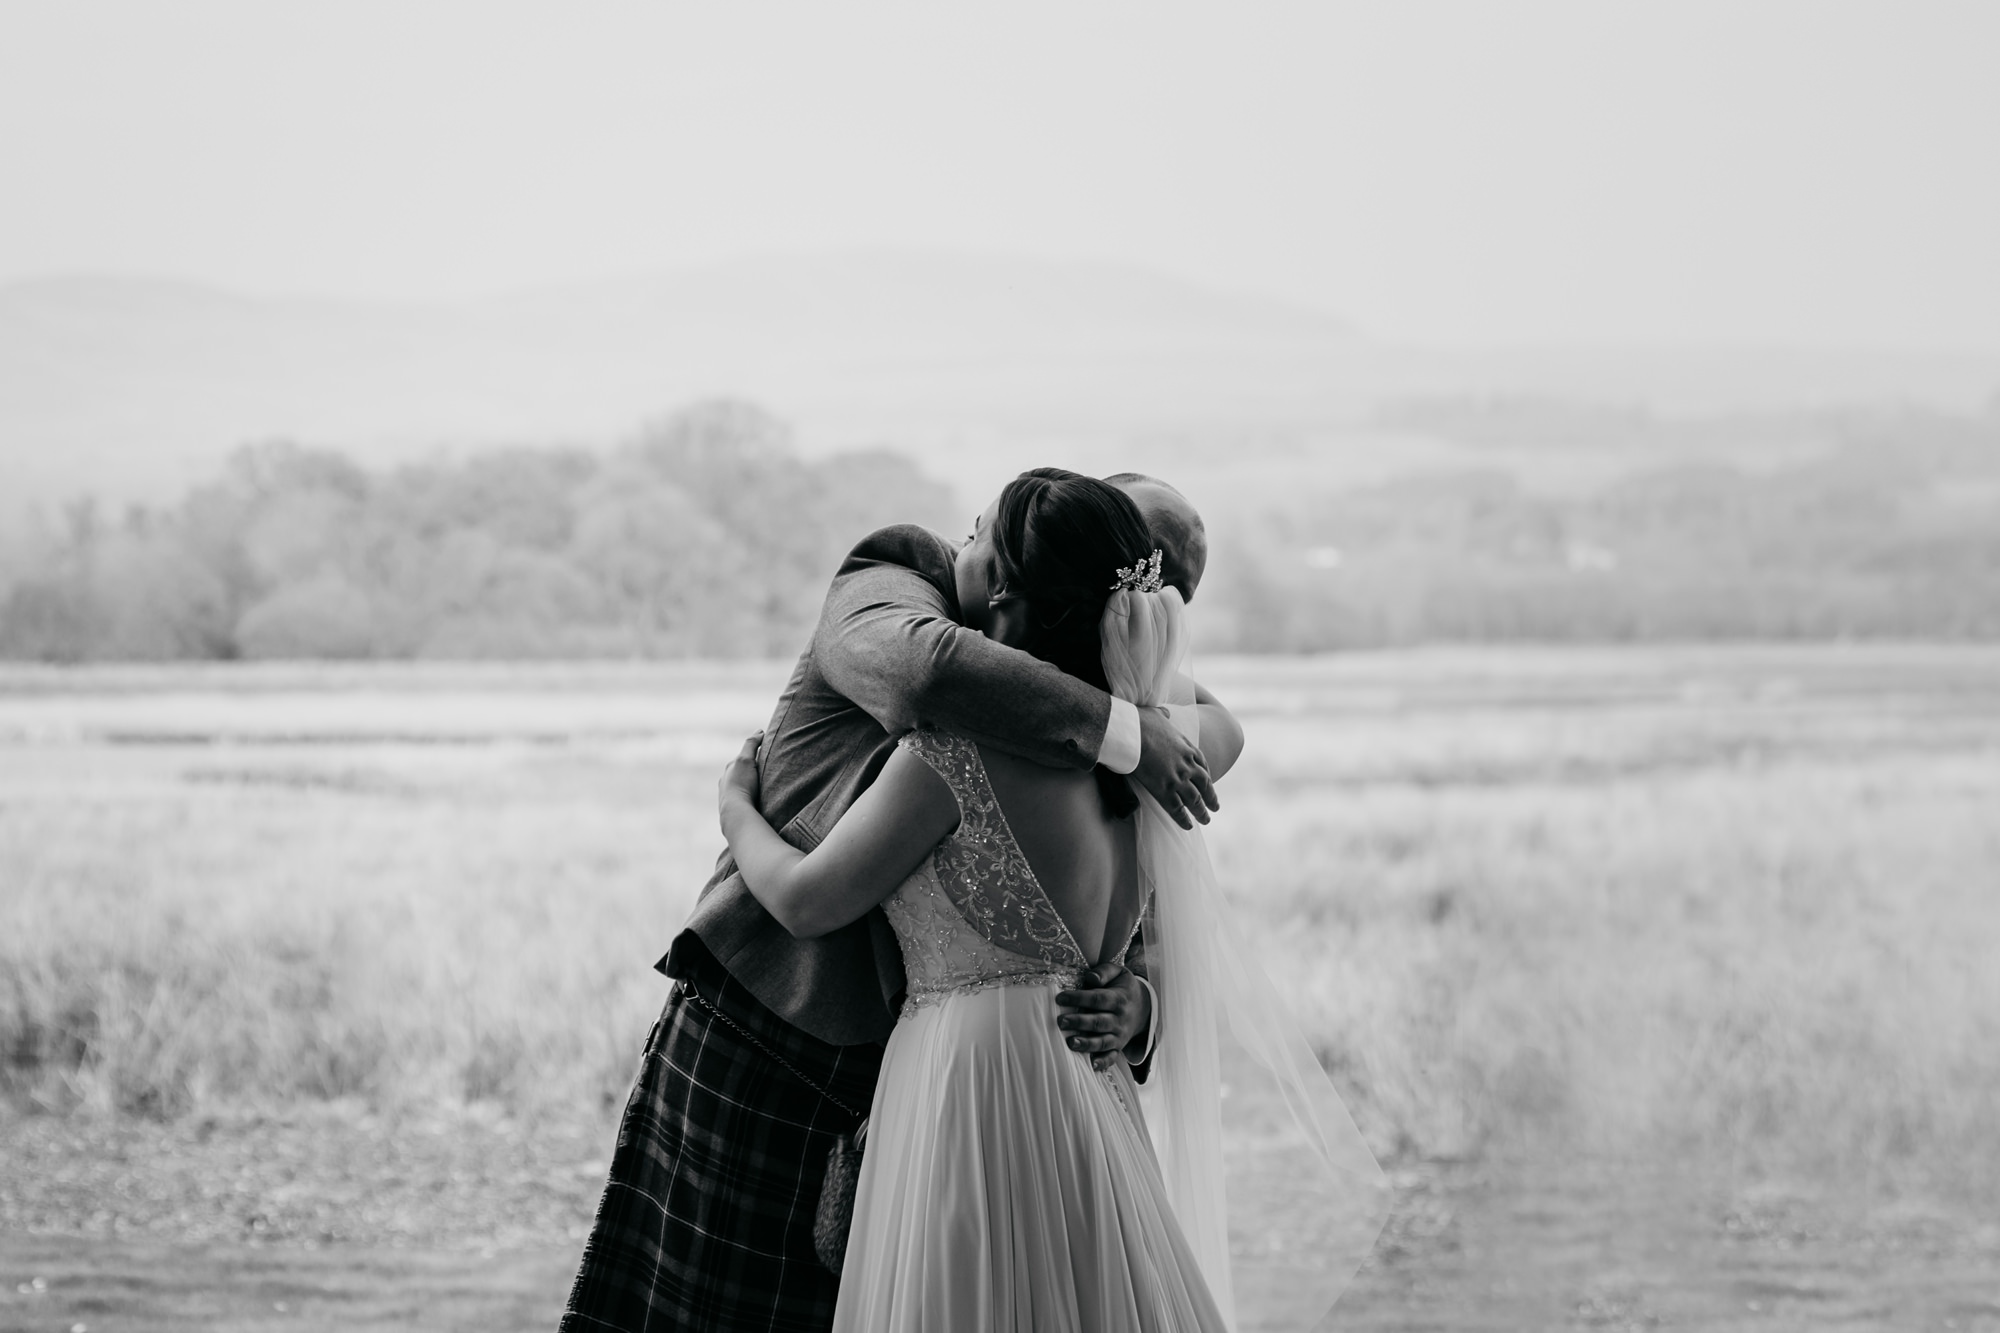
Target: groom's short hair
(1176, 527)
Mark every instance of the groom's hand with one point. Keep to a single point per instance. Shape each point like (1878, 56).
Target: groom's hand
(1171, 767)
(1108, 1011)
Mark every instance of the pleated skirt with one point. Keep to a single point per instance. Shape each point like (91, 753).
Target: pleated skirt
(1008, 1186)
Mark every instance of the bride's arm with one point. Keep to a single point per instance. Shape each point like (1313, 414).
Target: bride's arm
(883, 836)
(1221, 733)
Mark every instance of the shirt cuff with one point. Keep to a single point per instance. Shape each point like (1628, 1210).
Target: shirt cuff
(1152, 1020)
(1120, 751)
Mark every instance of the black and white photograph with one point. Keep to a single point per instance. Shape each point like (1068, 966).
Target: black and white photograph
(1112, 667)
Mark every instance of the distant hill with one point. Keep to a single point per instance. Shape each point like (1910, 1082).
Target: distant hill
(140, 386)
(973, 366)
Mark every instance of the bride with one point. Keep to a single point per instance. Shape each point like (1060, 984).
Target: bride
(1009, 1180)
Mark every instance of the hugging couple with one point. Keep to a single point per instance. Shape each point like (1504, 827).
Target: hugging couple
(965, 909)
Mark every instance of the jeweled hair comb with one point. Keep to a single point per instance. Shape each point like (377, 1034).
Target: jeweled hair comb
(1142, 577)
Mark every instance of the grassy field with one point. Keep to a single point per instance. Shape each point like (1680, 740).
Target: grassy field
(1660, 979)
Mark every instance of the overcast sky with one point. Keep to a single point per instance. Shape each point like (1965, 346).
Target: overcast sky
(1820, 172)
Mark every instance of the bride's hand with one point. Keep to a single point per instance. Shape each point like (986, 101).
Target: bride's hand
(741, 777)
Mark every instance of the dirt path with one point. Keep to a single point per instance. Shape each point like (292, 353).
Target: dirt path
(113, 1285)
(1573, 1248)
(1582, 1245)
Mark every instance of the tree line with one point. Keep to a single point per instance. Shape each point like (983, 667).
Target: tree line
(705, 535)
(1888, 527)
(708, 535)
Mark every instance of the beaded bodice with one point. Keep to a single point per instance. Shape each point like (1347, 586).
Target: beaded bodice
(973, 914)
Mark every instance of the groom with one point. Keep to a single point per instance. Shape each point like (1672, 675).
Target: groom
(769, 1046)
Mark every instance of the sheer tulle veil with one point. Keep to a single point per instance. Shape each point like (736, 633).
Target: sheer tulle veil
(1268, 1176)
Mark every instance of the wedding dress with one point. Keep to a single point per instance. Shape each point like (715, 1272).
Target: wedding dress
(1008, 1184)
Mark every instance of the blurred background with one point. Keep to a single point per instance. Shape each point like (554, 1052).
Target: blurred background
(426, 433)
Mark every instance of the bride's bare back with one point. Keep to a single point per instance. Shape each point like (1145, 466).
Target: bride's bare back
(1084, 859)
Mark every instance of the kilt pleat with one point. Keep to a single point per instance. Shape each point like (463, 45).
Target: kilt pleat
(706, 1221)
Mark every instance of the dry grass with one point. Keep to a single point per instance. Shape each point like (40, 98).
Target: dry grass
(400, 917)
(1733, 911)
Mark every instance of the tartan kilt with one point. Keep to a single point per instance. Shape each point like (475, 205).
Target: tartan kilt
(706, 1221)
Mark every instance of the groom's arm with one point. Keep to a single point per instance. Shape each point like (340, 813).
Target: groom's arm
(889, 640)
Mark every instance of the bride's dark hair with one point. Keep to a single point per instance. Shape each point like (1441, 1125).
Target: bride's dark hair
(1061, 539)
